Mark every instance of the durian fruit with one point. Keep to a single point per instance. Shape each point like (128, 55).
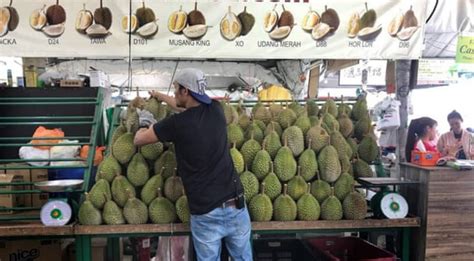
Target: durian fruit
(331, 209)
(237, 159)
(250, 185)
(346, 166)
(84, 19)
(359, 110)
(244, 121)
(177, 21)
(149, 191)
(261, 207)
(354, 206)
(329, 165)
(103, 16)
(284, 207)
(272, 143)
(145, 15)
(273, 126)
(261, 164)
(230, 26)
(54, 31)
(303, 123)
(406, 33)
(56, 14)
(343, 186)
(249, 150)
(235, 134)
(330, 122)
(173, 188)
(38, 18)
(330, 17)
(129, 24)
(368, 18)
(369, 33)
(320, 189)
(310, 20)
(138, 171)
(362, 127)
(152, 151)
(260, 124)
(270, 20)
(247, 21)
(112, 213)
(88, 214)
(119, 187)
(182, 209)
(263, 114)
(346, 126)
(108, 169)
(96, 195)
(312, 109)
(119, 131)
(285, 164)
(14, 17)
(368, 149)
(339, 143)
(162, 210)
(297, 186)
(362, 169)
(148, 30)
(319, 137)
(275, 109)
(195, 17)
(297, 108)
(395, 25)
(135, 211)
(320, 31)
(354, 25)
(409, 19)
(286, 118)
(253, 130)
(308, 163)
(272, 184)
(167, 160)
(280, 33)
(124, 149)
(230, 113)
(293, 137)
(286, 18)
(307, 206)
(330, 107)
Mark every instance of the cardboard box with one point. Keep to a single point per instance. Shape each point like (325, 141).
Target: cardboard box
(98, 251)
(25, 199)
(9, 200)
(38, 250)
(38, 200)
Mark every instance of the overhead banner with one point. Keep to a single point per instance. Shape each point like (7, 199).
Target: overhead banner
(337, 29)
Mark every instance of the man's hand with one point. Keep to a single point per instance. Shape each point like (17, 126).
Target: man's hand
(146, 118)
(145, 136)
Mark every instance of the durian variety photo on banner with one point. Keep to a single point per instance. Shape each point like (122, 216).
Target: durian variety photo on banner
(66, 28)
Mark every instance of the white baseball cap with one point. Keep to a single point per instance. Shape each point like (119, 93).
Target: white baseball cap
(195, 81)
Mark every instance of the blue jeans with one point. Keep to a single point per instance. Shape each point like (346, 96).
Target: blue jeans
(229, 223)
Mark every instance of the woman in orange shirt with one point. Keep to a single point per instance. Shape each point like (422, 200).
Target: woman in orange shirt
(421, 133)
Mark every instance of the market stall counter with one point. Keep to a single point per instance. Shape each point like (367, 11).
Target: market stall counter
(444, 201)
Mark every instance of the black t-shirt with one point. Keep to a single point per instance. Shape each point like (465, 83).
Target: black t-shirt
(199, 135)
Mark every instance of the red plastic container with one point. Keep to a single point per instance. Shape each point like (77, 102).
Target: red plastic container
(347, 248)
(424, 158)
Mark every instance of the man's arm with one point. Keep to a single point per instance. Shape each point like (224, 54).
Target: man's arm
(168, 100)
(145, 136)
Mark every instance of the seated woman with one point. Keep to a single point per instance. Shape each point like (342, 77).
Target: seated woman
(457, 142)
(421, 133)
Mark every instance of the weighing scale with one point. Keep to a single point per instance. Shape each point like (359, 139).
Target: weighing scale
(387, 203)
(57, 211)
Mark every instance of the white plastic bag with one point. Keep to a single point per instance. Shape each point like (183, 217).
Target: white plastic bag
(389, 114)
(65, 152)
(30, 152)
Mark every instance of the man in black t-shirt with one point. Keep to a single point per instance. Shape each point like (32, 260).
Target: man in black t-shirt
(213, 188)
